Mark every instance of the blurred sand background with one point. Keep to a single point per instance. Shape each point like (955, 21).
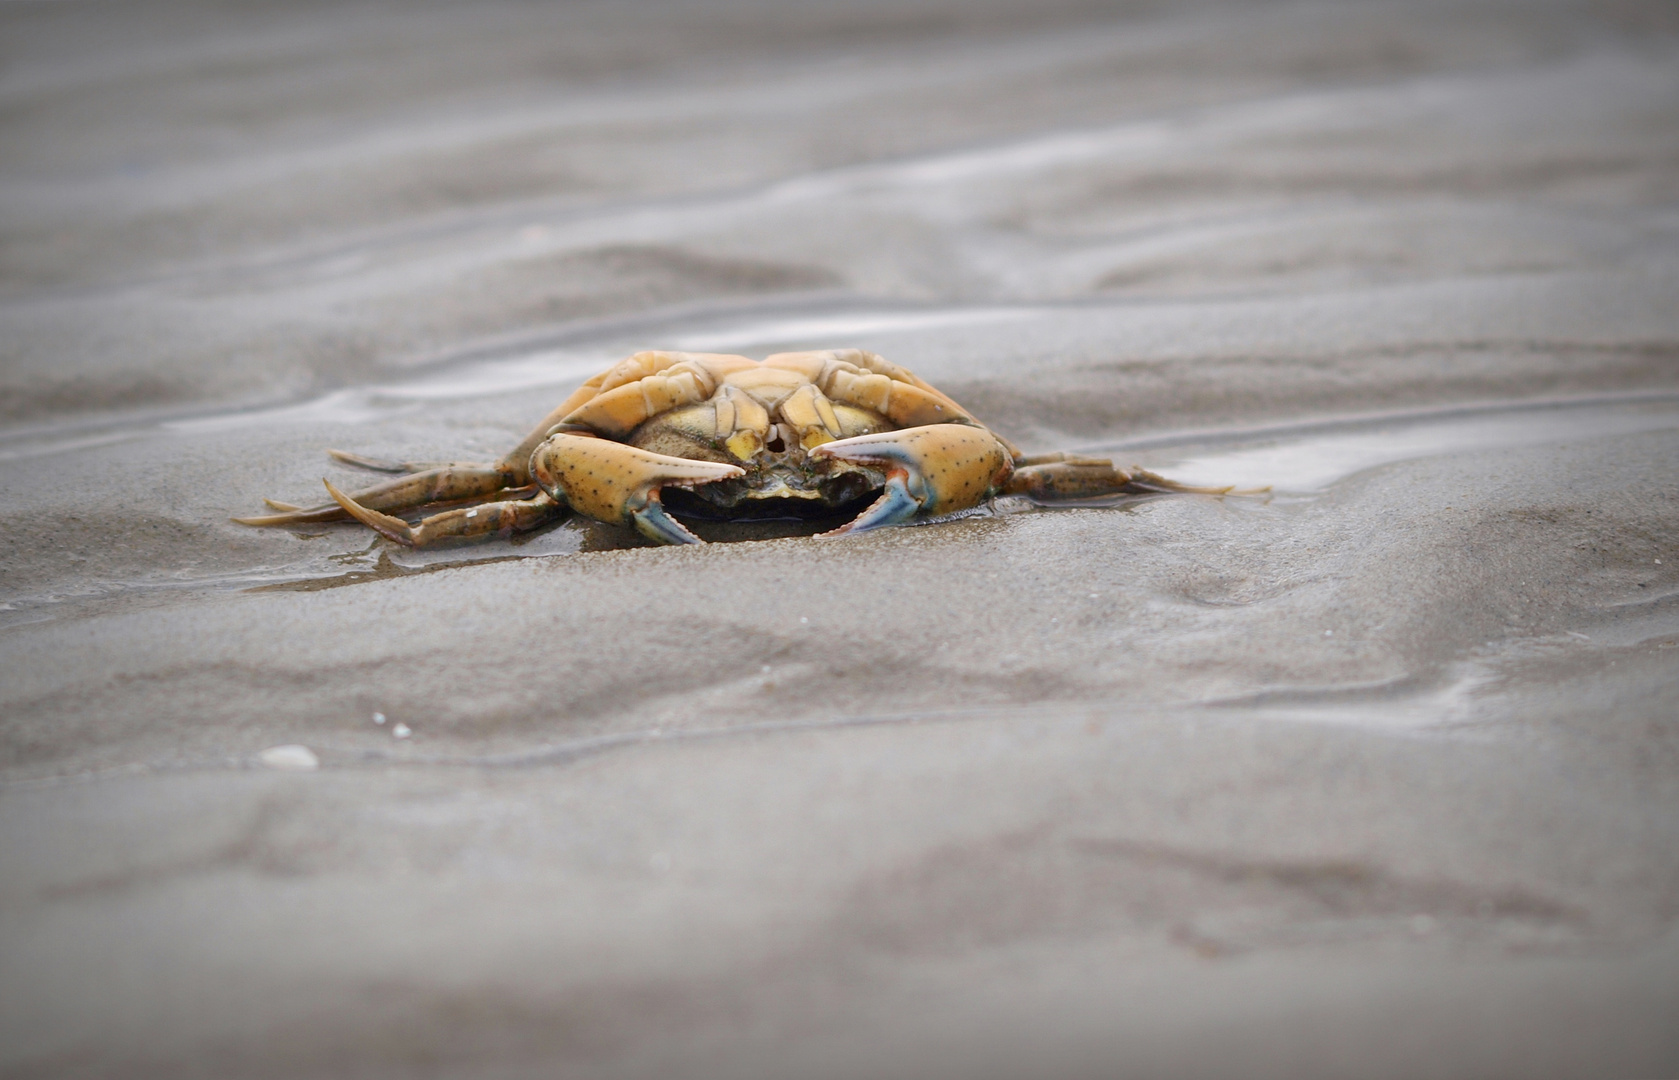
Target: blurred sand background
(1375, 776)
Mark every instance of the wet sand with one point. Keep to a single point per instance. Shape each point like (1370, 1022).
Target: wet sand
(1376, 774)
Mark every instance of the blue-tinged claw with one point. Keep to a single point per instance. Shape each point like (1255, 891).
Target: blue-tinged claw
(894, 507)
(654, 523)
(936, 468)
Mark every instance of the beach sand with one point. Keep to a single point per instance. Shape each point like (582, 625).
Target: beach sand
(1374, 774)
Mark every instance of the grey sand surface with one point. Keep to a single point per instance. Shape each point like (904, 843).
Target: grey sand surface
(1375, 775)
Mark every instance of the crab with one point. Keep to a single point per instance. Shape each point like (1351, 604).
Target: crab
(802, 434)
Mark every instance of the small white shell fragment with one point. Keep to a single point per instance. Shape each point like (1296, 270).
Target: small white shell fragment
(399, 730)
(378, 718)
(292, 757)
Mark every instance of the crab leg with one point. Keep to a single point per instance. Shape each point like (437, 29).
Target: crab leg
(613, 482)
(1057, 477)
(499, 495)
(428, 482)
(445, 484)
(937, 468)
(385, 465)
(492, 518)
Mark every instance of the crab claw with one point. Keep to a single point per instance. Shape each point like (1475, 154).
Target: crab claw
(610, 481)
(937, 468)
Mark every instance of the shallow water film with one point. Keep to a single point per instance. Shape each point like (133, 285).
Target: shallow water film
(1375, 774)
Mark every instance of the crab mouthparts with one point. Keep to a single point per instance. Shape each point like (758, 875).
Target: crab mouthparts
(770, 495)
(777, 487)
